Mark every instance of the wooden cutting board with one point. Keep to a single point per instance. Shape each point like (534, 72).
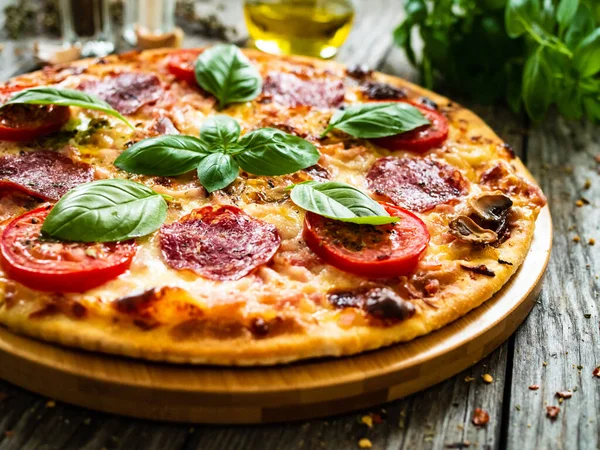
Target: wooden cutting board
(297, 391)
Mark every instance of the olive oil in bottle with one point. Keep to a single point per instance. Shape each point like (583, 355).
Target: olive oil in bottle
(305, 27)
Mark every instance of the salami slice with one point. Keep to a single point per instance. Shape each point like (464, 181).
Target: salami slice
(290, 90)
(218, 242)
(126, 92)
(416, 184)
(44, 174)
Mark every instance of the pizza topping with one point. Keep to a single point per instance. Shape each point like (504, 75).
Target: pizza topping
(480, 417)
(47, 265)
(219, 242)
(552, 412)
(491, 207)
(487, 224)
(21, 122)
(500, 176)
(379, 302)
(375, 90)
(359, 71)
(370, 251)
(290, 90)
(422, 138)
(318, 173)
(181, 64)
(44, 174)
(415, 183)
(126, 92)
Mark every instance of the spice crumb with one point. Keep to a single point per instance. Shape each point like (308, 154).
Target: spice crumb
(579, 203)
(468, 379)
(596, 372)
(367, 420)
(576, 239)
(552, 412)
(587, 315)
(487, 378)
(545, 363)
(480, 417)
(534, 387)
(365, 443)
(50, 404)
(587, 184)
(592, 241)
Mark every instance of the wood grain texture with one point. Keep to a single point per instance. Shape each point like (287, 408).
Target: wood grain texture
(558, 347)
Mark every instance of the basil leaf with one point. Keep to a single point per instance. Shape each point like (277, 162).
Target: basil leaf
(217, 171)
(565, 12)
(220, 132)
(581, 25)
(586, 59)
(271, 152)
(340, 201)
(373, 120)
(519, 14)
(537, 85)
(64, 97)
(225, 72)
(163, 156)
(106, 211)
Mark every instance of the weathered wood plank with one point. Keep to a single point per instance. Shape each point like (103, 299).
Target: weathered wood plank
(557, 338)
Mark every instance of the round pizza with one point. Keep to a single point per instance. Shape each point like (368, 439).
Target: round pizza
(221, 206)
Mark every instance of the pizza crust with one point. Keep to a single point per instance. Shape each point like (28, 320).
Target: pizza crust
(318, 339)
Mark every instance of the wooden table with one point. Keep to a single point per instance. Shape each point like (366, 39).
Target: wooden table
(556, 348)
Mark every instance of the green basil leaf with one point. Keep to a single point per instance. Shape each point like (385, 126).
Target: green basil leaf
(106, 211)
(164, 156)
(592, 108)
(519, 14)
(340, 201)
(225, 72)
(586, 58)
(581, 25)
(220, 132)
(566, 12)
(373, 120)
(217, 171)
(64, 97)
(537, 85)
(271, 152)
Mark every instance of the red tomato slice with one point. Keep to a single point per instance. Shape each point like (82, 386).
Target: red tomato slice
(420, 139)
(28, 122)
(370, 251)
(48, 265)
(181, 64)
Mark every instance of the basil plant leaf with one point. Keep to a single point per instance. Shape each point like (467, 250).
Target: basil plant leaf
(217, 171)
(565, 12)
(586, 59)
(340, 201)
(537, 85)
(64, 97)
(519, 14)
(106, 211)
(168, 155)
(374, 120)
(225, 72)
(271, 152)
(220, 132)
(582, 24)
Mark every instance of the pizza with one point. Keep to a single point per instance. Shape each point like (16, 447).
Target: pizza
(265, 253)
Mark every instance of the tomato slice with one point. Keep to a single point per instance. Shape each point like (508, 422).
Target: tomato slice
(181, 64)
(49, 265)
(370, 251)
(420, 139)
(27, 122)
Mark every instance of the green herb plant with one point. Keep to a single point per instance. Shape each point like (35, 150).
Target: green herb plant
(534, 53)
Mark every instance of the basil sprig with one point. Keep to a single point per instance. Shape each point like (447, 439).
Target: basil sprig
(106, 211)
(225, 72)
(340, 201)
(374, 120)
(219, 153)
(64, 97)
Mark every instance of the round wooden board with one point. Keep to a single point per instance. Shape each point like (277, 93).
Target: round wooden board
(281, 393)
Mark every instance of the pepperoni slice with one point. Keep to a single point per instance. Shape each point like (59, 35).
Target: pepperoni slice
(126, 92)
(218, 242)
(44, 174)
(48, 265)
(290, 90)
(417, 184)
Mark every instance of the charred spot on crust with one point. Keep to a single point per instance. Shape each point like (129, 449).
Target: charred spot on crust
(261, 328)
(136, 303)
(480, 269)
(379, 302)
(426, 101)
(59, 304)
(382, 91)
(359, 71)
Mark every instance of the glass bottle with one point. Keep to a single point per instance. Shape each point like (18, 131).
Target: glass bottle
(86, 23)
(148, 17)
(305, 27)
